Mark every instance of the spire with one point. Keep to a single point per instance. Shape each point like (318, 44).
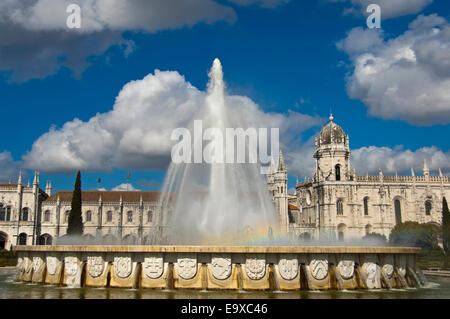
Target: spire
(20, 178)
(36, 179)
(281, 166)
(440, 172)
(331, 118)
(272, 166)
(412, 172)
(426, 171)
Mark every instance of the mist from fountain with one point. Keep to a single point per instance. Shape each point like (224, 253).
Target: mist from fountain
(216, 202)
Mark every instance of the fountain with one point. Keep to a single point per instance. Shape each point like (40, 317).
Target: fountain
(210, 213)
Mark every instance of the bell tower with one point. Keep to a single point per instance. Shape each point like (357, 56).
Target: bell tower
(332, 153)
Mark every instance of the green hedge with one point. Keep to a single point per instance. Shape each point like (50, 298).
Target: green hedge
(8, 258)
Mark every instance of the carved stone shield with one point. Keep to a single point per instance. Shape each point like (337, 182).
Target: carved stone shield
(388, 270)
(37, 264)
(71, 265)
(288, 267)
(27, 265)
(52, 263)
(153, 267)
(371, 270)
(122, 266)
(346, 268)
(187, 266)
(319, 268)
(255, 267)
(95, 266)
(221, 266)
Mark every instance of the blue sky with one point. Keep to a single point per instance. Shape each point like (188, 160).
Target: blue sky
(283, 55)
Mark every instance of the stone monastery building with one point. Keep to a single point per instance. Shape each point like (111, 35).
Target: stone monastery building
(335, 202)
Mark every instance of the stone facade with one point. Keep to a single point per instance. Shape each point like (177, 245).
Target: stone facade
(339, 204)
(335, 203)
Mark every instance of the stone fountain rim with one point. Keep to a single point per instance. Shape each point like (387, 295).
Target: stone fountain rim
(219, 249)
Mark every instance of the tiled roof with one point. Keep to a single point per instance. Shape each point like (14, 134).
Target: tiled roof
(107, 196)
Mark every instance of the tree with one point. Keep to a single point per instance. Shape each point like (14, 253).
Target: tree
(414, 234)
(445, 226)
(75, 224)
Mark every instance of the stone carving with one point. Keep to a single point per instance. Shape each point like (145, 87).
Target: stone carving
(153, 267)
(371, 270)
(319, 268)
(19, 263)
(27, 265)
(388, 270)
(122, 266)
(71, 265)
(52, 263)
(288, 267)
(346, 268)
(37, 263)
(187, 267)
(221, 266)
(255, 267)
(95, 266)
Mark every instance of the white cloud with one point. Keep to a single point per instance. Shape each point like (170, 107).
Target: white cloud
(98, 15)
(36, 42)
(389, 8)
(407, 77)
(125, 187)
(135, 134)
(9, 169)
(392, 160)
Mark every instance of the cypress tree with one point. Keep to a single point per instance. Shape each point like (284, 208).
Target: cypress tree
(75, 224)
(446, 227)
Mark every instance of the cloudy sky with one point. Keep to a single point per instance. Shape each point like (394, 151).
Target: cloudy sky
(104, 98)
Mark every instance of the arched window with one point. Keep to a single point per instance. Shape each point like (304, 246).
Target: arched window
(149, 216)
(338, 172)
(428, 207)
(24, 215)
(45, 240)
(88, 216)
(398, 211)
(8, 213)
(109, 216)
(366, 206)
(340, 207)
(66, 216)
(2, 213)
(22, 239)
(3, 240)
(47, 216)
(130, 216)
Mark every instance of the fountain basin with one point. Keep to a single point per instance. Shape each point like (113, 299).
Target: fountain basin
(220, 267)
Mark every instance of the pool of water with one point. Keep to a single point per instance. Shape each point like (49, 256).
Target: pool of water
(436, 288)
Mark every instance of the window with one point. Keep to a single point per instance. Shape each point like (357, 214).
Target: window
(398, 211)
(66, 216)
(8, 213)
(149, 216)
(47, 216)
(2, 212)
(109, 216)
(340, 207)
(88, 216)
(366, 206)
(22, 239)
(130, 216)
(281, 189)
(338, 172)
(428, 207)
(24, 215)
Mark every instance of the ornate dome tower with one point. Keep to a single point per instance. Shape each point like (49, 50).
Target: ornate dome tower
(332, 153)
